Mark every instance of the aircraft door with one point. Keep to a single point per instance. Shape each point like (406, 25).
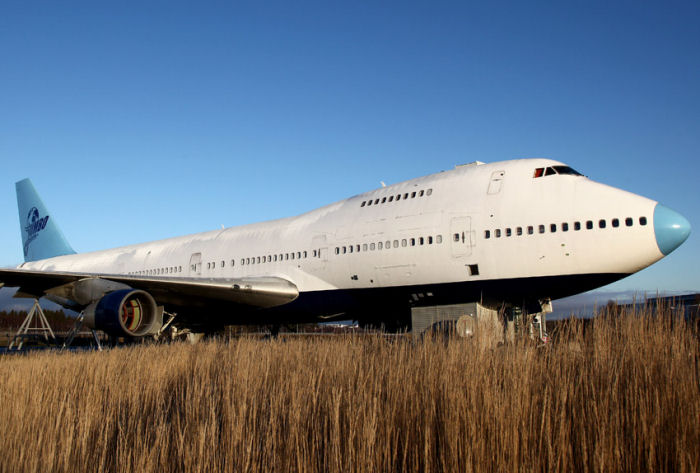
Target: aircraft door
(319, 252)
(195, 268)
(461, 236)
(496, 182)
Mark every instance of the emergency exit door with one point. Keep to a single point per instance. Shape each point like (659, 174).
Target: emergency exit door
(462, 238)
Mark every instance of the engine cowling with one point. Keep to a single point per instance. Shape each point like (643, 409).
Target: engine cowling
(124, 313)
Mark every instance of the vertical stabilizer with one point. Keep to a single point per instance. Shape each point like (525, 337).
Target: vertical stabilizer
(41, 237)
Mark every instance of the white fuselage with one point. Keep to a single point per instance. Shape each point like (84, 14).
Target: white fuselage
(480, 222)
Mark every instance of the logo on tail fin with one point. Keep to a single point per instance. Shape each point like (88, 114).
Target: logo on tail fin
(35, 224)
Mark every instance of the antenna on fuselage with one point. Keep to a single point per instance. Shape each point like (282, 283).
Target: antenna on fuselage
(382, 183)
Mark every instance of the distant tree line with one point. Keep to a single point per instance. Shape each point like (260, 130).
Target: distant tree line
(59, 321)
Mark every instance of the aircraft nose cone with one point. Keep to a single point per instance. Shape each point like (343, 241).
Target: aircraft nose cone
(670, 227)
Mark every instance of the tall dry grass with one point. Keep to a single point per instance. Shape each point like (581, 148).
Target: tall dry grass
(621, 395)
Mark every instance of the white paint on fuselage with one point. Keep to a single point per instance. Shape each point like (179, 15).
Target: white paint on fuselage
(469, 199)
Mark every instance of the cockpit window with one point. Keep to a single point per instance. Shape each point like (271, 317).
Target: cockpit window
(566, 170)
(552, 170)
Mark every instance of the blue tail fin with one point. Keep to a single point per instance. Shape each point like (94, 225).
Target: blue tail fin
(41, 237)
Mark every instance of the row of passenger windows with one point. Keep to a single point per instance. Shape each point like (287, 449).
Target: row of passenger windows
(157, 271)
(385, 245)
(589, 224)
(279, 257)
(244, 261)
(397, 197)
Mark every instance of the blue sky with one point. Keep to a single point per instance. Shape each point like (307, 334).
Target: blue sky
(142, 120)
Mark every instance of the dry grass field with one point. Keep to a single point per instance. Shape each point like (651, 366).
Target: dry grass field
(621, 395)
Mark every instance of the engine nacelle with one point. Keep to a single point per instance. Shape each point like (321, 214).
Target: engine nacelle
(124, 313)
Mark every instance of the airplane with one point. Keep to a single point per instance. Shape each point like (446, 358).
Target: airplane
(515, 233)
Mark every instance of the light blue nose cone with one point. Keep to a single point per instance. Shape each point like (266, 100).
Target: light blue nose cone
(670, 227)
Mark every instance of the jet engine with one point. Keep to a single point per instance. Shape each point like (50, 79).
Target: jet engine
(124, 313)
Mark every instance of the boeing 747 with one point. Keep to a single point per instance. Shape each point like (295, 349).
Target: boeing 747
(507, 234)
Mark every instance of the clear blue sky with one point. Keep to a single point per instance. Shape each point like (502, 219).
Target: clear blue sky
(142, 120)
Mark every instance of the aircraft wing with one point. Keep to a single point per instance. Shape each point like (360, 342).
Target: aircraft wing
(257, 292)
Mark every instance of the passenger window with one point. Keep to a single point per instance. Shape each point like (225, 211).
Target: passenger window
(577, 226)
(497, 234)
(350, 249)
(337, 250)
(487, 234)
(629, 221)
(589, 224)
(345, 249)
(396, 243)
(413, 195)
(264, 259)
(642, 220)
(363, 203)
(357, 247)
(398, 197)
(455, 237)
(387, 245)
(420, 194)
(508, 232)
(413, 241)
(306, 255)
(364, 247)
(369, 202)
(564, 227)
(601, 223)
(258, 260)
(223, 263)
(391, 198)
(553, 227)
(405, 196)
(376, 201)
(530, 230)
(372, 247)
(541, 228)
(380, 246)
(519, 231)
(615, 223)
(383, 200)
(438, 239)
(430, 240)
(404, 242)
(421, 241)
(428, 192)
